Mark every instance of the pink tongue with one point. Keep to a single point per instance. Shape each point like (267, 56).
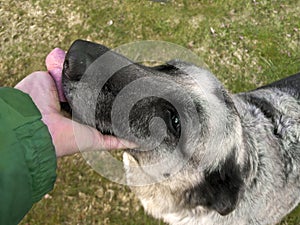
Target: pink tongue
(54, 63)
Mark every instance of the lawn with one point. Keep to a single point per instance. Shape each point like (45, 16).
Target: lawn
(244, 43)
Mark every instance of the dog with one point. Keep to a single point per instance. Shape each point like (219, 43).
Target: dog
(206, 156)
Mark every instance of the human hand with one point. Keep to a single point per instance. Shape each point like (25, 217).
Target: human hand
(68, 136)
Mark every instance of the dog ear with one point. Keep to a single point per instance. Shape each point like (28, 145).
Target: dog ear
(220, 190)
(226, 98)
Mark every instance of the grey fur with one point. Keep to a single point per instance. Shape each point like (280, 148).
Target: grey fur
(241, 155)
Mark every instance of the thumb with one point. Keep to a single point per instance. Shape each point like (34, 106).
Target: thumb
(90, 139)
(70, 137)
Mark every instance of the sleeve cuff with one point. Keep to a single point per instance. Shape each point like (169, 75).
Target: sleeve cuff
(39, 155)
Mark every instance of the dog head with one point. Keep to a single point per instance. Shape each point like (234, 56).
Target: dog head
(184, 121)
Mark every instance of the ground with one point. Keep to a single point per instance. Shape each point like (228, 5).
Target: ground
(244, 43)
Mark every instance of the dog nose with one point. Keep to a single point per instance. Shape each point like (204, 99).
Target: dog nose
(79, 57)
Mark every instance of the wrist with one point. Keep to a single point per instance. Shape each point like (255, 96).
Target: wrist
(62, 134)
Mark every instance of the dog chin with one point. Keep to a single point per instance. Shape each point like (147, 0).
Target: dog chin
(135, 174)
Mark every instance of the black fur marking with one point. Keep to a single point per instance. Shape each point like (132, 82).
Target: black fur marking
(275, 118)
(290, 85)
(266, 107)
(224, 96)
(167, 68)
(221, 188)
(166, 175)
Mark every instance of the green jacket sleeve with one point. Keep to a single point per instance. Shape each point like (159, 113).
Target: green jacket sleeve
(27, 156)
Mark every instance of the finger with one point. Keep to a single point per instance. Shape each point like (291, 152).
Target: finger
(87, 138)
(70, 137)
(109, 142)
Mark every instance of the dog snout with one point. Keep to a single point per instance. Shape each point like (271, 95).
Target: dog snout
(79, 57)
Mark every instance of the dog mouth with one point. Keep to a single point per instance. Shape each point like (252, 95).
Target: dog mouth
(106, 131)
(82, 82)
(66, 109)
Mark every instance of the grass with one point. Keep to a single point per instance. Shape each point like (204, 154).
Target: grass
(245, 43)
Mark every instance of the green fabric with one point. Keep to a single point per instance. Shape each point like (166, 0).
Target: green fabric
(27, 156)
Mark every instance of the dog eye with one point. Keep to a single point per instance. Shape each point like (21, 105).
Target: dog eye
(174, 123)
